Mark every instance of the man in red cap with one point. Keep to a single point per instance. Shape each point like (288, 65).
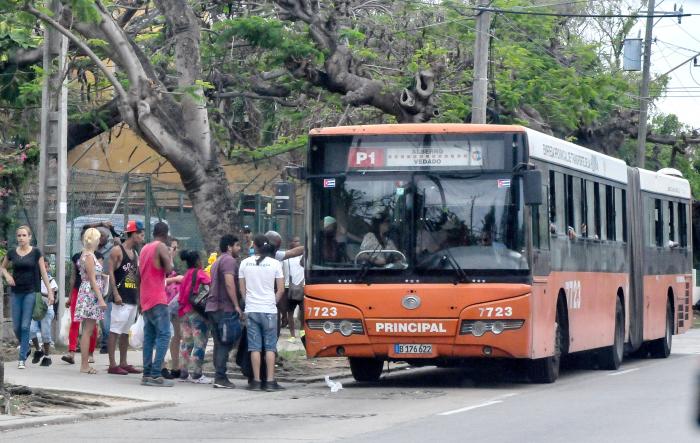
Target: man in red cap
(124, 278)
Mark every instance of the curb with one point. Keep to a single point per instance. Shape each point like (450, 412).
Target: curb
(30, 422)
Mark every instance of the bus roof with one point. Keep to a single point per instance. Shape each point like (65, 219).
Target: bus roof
(561, 152)
(415, 128)
(664, 184)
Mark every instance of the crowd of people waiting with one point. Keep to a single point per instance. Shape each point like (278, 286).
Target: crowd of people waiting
(243, 297)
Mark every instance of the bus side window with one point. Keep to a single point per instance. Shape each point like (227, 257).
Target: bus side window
(602, 207)
(590, 211)
(624, 214)
(658, 223)
(610, 213)
(540, 223)
(672, 236)
(682, 225)
(596, 211)
(557, 193)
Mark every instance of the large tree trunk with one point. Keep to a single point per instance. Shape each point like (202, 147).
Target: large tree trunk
(177, 130)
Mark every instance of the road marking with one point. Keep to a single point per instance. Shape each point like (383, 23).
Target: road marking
(469, 408)
(623, 372)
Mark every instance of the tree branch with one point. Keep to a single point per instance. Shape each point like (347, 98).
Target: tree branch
(83, 47)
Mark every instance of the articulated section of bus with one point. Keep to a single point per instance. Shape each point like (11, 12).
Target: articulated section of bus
(418, 321)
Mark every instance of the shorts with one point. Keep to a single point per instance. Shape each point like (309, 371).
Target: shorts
(292, 304)
(123, 316)
(262, 331)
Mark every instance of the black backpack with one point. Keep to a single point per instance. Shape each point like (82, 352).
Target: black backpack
(198, 299)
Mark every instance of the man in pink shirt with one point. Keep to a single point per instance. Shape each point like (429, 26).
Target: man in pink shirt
(155, 263)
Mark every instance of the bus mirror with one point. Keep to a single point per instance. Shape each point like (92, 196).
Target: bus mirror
(532, 187)
(295, 172)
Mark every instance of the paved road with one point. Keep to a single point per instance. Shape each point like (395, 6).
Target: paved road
(646, 401)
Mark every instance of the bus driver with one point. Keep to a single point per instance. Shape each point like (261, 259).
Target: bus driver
(376, 240)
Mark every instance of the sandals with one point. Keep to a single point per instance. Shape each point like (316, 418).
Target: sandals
(68, 359)
(89, 371)
(91, 359)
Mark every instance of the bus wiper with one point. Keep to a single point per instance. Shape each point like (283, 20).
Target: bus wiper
(366, 265)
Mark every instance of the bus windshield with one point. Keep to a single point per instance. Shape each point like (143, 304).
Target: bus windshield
(418, 222)
(471, 222)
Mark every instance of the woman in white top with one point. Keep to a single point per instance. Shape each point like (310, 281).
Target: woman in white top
(262, 285)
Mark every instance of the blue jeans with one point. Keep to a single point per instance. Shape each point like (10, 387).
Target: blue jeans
(156, 332)
(104, 325)
(22, 307)
(43, 326)
(221, 350)
(262, 331)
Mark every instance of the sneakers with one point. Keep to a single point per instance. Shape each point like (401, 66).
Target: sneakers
(254, 386)
(292, 339)
(20, 364)
(176, 373)
(116, 370)
(145, 380)
(104, 351)
(158, 382)
(131, 370)
(204, 380)
(166, 374)
(37, 356)
(184, 375)
(46, 361)
(223, 383)
(273, 386)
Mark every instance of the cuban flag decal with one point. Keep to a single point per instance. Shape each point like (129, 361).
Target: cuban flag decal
(504, 183)
(329, 183)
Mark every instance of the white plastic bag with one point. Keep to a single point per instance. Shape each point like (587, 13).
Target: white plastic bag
(334, 385)
(64, 330)
(136, 334)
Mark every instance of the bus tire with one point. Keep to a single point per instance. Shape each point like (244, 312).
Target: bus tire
(546, 370)
(611, 357)
(661, 348)
(366, 369)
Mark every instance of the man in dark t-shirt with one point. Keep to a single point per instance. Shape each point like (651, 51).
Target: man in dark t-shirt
(124, 278)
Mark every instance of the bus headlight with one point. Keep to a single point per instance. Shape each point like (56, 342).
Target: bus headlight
(497, 327)
(477, 328)
(345, 328)
(328, 327)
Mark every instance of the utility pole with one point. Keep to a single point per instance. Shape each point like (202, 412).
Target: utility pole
(644, 93)
(481, 64)
(52, 202)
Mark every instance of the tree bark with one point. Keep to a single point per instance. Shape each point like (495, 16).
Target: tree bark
(179, 131)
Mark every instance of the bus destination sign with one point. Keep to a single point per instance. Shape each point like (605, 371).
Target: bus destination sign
(377, 158)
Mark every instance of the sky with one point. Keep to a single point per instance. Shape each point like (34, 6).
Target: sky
(675, 43)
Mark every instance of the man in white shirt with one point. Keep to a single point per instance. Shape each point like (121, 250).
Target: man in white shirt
(294, 282)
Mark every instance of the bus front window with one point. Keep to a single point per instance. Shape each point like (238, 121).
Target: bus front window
(472, 222)
(361, 222)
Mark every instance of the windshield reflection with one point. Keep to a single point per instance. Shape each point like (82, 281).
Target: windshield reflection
(424, 222)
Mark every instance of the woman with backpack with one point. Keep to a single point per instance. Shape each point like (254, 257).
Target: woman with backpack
(193, 324)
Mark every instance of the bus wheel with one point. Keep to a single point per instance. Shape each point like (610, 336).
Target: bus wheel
(366, 369)
(661, 348)
(546, 370)
(611, 357)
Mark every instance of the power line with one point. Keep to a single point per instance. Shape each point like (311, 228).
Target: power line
(563, 14)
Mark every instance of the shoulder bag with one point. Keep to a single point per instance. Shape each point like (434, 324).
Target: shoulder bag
(198, 299)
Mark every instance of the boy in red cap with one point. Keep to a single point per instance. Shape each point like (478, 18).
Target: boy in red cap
(124, 278)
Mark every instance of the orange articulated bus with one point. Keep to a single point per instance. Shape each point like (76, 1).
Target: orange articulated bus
(437, 243)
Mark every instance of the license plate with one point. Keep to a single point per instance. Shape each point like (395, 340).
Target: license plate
(413, 349)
